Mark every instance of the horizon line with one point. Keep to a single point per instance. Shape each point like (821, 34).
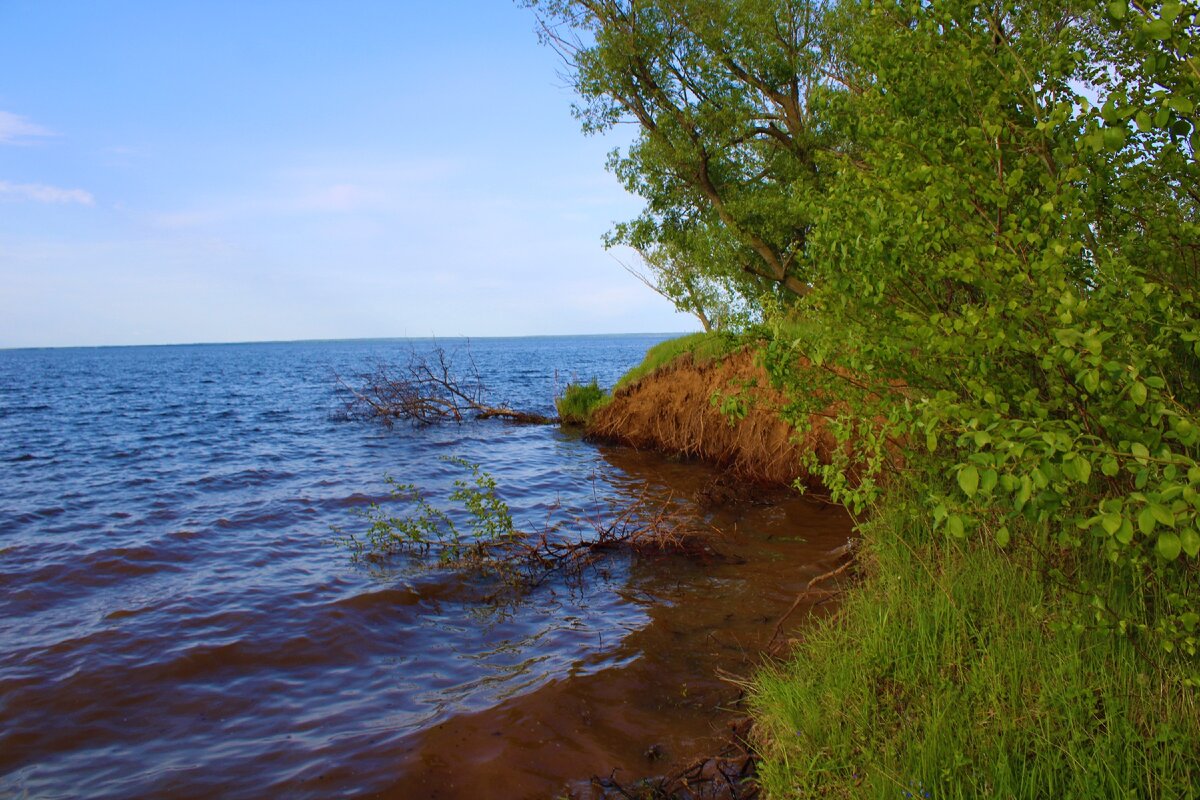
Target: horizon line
(339, 339)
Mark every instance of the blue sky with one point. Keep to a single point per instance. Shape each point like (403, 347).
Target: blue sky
(236, 171)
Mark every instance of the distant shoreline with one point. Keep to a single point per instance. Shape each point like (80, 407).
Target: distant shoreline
(350, 339)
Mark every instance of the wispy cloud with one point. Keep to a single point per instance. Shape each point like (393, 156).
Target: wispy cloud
(41, 193)
(15, 129)
(327, 191)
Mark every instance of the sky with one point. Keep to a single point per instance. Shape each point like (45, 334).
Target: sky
(246, 171)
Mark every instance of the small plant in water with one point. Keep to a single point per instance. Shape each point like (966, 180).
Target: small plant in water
(485, 541)
(577, 402)
(426, 527)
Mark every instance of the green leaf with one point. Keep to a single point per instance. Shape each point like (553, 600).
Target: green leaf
(954, 525)
(1162, 514)
(1124, 534)
(1159, 29)
(1137, 393)
(1111, 522)
(968, 480)
(1114, 138)
(987, 481)
(1078, 469)
(1110, 467)
(1181, 104)
(931, 441)
(1190, 541)
(1140, 451)
(1118, 8)
(1146, 521)
(1024, 492)
(1002, 537)
(1168, 546)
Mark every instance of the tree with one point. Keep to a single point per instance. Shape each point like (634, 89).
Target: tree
(722, 95)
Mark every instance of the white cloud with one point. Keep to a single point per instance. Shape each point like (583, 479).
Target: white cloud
(14, 129)
(41, 193)
(343, 189)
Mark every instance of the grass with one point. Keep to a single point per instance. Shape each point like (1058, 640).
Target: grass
(954, 671)
(577, 402)
(703, 347)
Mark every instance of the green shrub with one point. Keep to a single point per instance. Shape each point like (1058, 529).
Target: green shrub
(577, 402)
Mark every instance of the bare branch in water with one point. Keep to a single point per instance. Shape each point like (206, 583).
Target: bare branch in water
(645, 527)
(425, 390)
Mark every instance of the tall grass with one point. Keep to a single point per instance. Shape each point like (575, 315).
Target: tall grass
(960, 671)
(577, 402)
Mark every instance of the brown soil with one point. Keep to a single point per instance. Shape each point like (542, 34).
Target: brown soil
(671, 411)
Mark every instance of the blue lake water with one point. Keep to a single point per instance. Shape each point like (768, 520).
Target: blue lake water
(175, 619)
(172, 612)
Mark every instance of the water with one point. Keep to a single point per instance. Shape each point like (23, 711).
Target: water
(174, 620)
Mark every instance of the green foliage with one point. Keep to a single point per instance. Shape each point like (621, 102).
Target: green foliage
(577, 402)
(725, 155)
(702, 347)
(956, 671)
(732, 403)
(424, 528)
(1018, 293)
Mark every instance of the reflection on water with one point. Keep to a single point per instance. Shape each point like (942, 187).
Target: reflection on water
(174, 622)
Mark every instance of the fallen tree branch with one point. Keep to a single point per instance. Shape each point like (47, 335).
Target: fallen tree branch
(426, 389)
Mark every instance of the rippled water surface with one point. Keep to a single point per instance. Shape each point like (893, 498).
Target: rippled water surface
(174, 620)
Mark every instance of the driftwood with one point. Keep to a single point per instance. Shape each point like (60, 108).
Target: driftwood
(728, 775)
(425, 390)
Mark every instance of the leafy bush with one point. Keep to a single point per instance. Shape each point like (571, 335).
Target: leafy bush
(425, 527)
(1017, 300)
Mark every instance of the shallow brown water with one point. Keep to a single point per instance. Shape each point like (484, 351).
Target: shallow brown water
(671, 685)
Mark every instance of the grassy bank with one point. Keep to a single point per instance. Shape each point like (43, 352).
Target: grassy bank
(958, 669)
(702, 347)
